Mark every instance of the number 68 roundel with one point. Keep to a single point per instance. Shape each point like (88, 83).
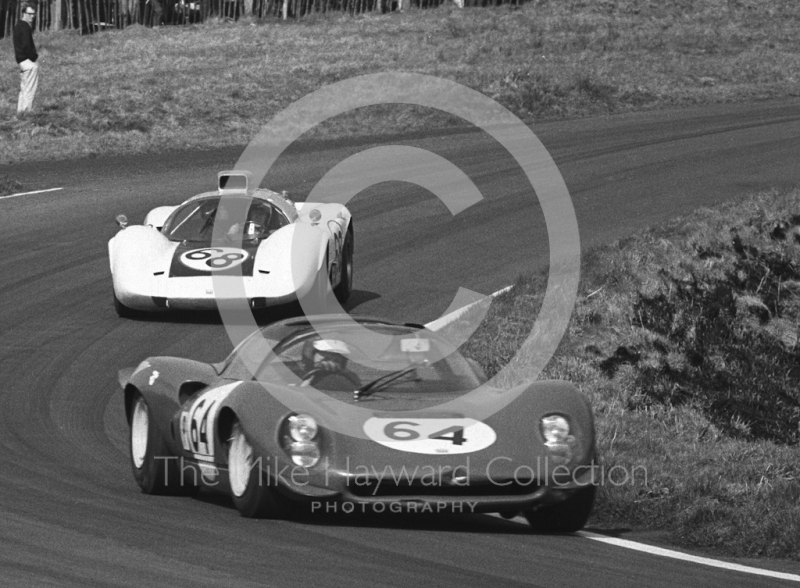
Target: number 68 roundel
(431, 435)
(198, 420)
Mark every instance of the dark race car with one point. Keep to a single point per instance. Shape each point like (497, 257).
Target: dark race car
(221, 427)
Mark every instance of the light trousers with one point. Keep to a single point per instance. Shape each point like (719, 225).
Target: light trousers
(29, 81)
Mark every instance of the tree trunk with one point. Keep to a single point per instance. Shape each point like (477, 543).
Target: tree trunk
(285, 10)
(57, 15)
(79, 9)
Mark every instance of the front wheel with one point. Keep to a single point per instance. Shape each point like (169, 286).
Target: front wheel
(155, 470)
(345, 286)
(250, 490)
(565, 517)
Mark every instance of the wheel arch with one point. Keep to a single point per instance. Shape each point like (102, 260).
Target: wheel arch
(130, 393)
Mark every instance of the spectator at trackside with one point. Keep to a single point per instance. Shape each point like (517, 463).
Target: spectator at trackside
(154, 13)
(26, 56)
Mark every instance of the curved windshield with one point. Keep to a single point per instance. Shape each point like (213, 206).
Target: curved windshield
(340, 359)
(195, 221)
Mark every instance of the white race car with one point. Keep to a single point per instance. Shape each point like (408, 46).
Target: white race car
(282, 252)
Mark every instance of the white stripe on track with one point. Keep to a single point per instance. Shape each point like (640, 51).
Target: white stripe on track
(706, 561)
(29, 193)
(445, 320)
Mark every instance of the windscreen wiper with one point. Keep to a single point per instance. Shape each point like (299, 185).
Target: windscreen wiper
(383, 382)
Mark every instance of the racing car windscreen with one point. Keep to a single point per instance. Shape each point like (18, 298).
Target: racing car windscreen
(404, 366)
(195, 221)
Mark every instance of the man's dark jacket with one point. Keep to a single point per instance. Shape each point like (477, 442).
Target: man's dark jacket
(23, 42)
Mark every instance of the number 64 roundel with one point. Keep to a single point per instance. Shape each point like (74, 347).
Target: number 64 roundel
(433, 436)
(198, 421)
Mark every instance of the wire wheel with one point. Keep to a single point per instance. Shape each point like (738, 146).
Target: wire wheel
(140, 432)
(240, 461)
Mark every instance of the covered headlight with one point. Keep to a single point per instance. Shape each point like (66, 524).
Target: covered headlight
(555, 429)
(302, 427)
(304, 453)
(557, 438)
(299, 440)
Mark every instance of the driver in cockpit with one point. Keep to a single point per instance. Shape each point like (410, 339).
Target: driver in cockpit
(219, 217)
(326, 359)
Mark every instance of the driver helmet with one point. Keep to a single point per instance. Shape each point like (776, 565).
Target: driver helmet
(327, 354)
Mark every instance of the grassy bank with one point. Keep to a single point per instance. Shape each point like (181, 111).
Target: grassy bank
(215, 84)
(685, 338)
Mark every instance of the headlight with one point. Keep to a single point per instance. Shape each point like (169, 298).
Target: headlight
(304, 454)
(555, 429)
(300, 443)
(302, 428)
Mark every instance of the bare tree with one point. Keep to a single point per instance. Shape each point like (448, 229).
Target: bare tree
(56, 12)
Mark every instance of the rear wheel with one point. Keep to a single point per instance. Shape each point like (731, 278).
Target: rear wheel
(250, 488)
(345, 287)
(565, 517)
(155, 470)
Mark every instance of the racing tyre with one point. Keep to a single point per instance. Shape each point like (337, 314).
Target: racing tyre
(155, 470)
(250, 488)
(345, 287)
(565, 517)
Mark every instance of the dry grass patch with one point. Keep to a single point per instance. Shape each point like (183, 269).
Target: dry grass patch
(217, 83)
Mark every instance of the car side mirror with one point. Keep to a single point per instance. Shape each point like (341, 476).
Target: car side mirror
(122, 221)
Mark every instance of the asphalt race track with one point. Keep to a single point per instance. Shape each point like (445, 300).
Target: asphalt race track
(70, 510)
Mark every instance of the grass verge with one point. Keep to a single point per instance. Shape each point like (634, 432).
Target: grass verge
(685, 338)
(217, 83)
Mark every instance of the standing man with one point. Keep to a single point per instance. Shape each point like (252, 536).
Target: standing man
(26, 55)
